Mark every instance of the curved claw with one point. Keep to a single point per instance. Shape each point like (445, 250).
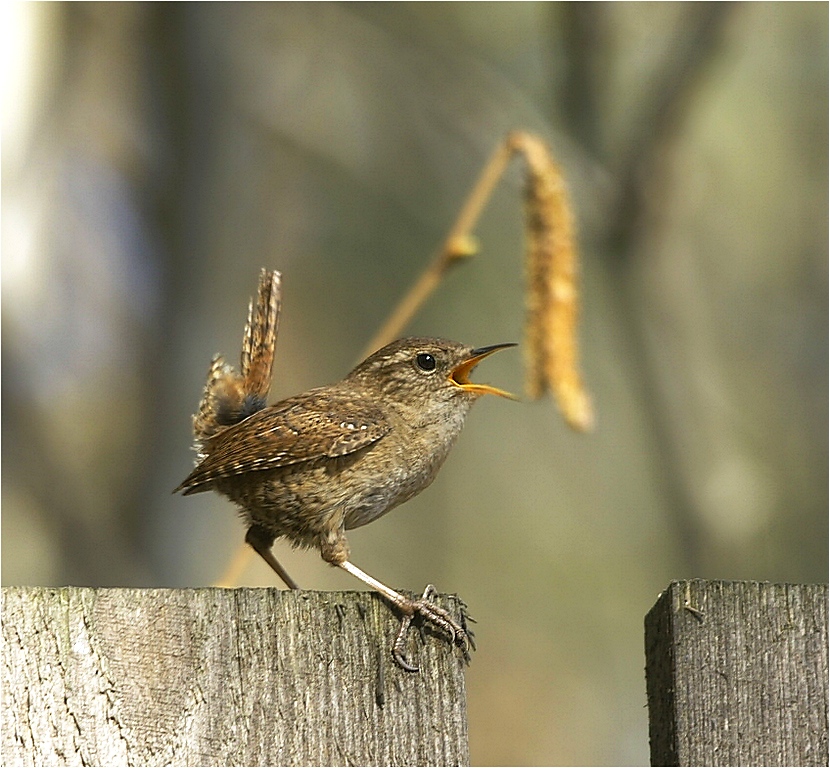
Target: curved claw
(401, 661)
(471, 640)
(398, 645)
(429, 591)
(457, 632)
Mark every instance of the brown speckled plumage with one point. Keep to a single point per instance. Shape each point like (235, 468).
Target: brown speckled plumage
(337, 457)
(334, 458)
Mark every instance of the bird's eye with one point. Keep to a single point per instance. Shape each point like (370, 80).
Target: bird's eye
(425, 362)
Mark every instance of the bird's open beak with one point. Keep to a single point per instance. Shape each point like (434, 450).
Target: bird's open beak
(460, 375)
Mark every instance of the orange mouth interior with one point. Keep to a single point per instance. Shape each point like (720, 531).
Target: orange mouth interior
(460, 375)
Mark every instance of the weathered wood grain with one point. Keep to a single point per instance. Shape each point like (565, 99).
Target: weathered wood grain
(737, 674)
(221, 677)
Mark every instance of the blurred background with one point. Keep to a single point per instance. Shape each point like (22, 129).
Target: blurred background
(155, 156)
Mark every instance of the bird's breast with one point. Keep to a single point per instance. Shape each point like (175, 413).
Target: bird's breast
(401, 466)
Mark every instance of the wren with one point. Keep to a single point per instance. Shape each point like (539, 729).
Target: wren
(315, 465)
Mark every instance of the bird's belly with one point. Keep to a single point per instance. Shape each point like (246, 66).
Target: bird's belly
(398, 482)
(383, 496)
(308, 502)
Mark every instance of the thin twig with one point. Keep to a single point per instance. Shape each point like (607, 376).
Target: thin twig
(553, 298)
(457, 246)
(232, 574)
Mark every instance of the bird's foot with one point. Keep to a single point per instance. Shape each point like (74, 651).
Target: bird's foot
(457, 631)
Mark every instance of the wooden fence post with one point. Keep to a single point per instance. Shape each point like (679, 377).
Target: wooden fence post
(221, 677)
(736, 674)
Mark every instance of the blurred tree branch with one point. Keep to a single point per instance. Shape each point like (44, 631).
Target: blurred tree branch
(642, 165)
(90, 548)
(642, 171)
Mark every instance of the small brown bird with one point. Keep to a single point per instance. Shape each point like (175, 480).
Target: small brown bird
(334, 458)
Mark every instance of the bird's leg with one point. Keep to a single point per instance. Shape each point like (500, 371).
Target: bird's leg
(457, 633)
(261, 541)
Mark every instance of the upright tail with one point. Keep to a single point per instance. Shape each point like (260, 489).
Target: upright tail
(231, 396)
